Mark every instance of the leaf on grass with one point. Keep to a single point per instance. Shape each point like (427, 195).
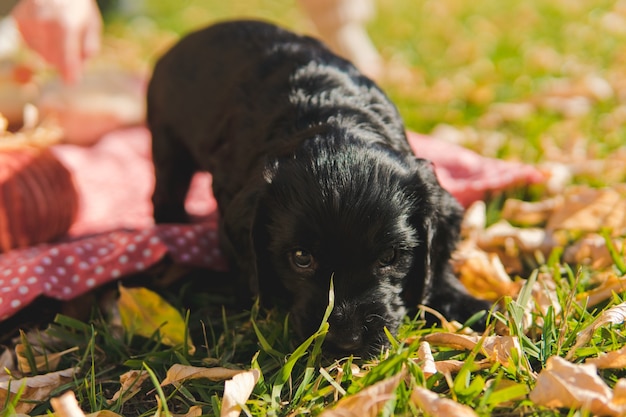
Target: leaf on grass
(66, 406)
(436, 406)
(367, 402)
(482, 273)
(43, 362)
(179, 373)
(36, 388)
(237, 391)
(590, 209)
(426, 359)
(592, 250)
(495, 348)
(566, 385)
(6, 360)
(131, 384)
(144, 313)
(615, 359)
(194, 411)
(614, 315)
(525, 213)
(610, 284)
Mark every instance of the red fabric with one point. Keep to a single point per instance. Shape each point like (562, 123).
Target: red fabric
(114, 235)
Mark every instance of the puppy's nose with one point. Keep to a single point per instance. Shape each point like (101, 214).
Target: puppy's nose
(344, 342)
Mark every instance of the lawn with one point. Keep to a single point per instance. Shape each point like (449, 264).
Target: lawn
(538, 81)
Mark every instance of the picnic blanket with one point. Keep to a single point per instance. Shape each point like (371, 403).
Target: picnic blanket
(114, 235)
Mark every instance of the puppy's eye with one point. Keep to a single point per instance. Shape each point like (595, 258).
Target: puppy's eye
(388, 257)
(302, 259)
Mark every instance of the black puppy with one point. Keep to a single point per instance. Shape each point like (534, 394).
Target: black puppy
(314, 178)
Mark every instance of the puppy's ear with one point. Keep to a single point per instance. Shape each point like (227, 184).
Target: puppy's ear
(437, 218)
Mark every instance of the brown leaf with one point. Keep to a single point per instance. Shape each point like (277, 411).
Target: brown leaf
(426, 359)
(566, 385)
(43, 362)
(525, 213)
(611, 360)
(237, 391)
(610, 284)
(495, 348)
(37, 388)
(66, 406)
(367, 402)
(482, 273)
(194, 411)
(591, 210)
(436, 406)
(131, 384)
(179, 373)
(592, 250)
(614, 315)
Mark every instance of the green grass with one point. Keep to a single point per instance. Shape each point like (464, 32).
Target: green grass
(461, 61)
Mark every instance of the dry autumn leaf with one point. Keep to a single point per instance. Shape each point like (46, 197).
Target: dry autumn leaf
(144, 312)
(566, 385)
(237, 391)
(610, 284)
(614, 315)
(66, 406)
(36, 388)
(495, 348)
(436, 406)
(592, 250)
(179, 373)
(43, 362)
(591, 210)
(367, 402)
(611, 360)
(131, 384)
(426, 359)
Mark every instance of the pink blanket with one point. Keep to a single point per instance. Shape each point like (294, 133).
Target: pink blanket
(114, 235)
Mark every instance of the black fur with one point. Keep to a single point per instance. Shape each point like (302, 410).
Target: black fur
(314, 179)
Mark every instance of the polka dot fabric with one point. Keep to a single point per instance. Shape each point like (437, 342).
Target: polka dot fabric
(114, 235)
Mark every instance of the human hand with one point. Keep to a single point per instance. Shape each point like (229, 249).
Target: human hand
(63, 32)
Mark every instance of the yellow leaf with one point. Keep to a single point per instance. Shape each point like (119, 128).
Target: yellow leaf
(610, 360)
(237, 391)
(194, 411)
(566, 385)
(436, 406)
(131, 384)
(144, 312)
(367, 402)
(610, 284)
(179, 373)
(36, 388)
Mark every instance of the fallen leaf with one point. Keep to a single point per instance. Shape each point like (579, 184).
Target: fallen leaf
(592, 250)
(237, 391)
(566, 385)
(526, 213)
(610, 284)
(131, 384)
(144, 312)
(614, 315)
(436, 406)
(495, 348)
(367, 402)
(426, 359)
(591, 210)
(179, 373)
(6, 360)
(194, 411)
(36, 388)
(482, 273)
(43, 361)
(66, 406)
(615, 359)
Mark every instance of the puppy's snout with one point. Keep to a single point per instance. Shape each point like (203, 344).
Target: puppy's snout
(345, 333)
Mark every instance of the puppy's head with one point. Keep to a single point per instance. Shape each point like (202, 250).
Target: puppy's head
(362, 215)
